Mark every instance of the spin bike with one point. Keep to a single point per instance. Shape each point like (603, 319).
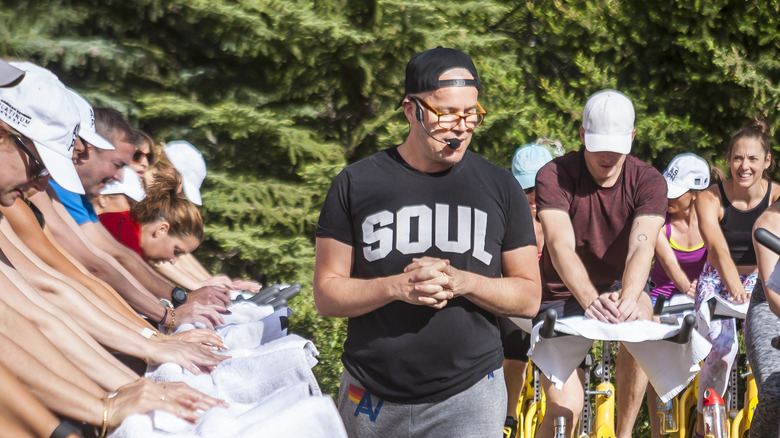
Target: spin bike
(599, 421)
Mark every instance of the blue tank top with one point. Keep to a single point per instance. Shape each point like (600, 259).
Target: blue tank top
(737, 226)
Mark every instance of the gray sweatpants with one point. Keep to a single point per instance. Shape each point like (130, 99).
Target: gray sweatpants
(476, 412)
(761, 325)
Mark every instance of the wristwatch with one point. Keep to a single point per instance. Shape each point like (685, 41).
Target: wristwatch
(178, 296)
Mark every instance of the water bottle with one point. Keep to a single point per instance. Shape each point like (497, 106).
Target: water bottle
(560, 427)
(668, 416)
(714, 413)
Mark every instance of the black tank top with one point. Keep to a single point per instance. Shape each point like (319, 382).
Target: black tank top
(36, 212)
(737, 226)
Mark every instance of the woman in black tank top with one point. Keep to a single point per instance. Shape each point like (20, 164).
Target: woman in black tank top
(727, 212)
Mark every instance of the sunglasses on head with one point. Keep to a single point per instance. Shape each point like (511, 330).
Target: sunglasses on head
(37, 169)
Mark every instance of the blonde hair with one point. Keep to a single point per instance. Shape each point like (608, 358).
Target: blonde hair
(162, 203)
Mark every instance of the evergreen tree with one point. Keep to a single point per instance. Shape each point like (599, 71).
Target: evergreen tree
(280, 95)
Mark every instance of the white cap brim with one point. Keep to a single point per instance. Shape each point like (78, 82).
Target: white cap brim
(130, 186)
(96, 140)
(620, 144)
(191, 191)
(9, 74)
(61, 169)
(674, 191)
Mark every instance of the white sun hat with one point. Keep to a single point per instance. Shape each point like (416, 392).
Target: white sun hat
(190, 164)
(9, 74)
(130, 186)
(87, 131)
(608, 120)
(39, 108)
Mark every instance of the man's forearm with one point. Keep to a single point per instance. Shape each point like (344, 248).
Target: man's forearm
(574, 275)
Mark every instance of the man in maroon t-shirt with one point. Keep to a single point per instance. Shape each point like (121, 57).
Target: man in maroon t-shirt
(601, 211)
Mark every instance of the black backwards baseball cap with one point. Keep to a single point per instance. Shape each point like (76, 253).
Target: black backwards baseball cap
(424, 69)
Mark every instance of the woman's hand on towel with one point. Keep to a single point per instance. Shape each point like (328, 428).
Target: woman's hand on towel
(207, 314)
(144, 395)
(192, 357)
(204, 337)
(219, 294)
(246, 285)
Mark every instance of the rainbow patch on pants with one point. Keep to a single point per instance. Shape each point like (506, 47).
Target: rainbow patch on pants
(364, 403)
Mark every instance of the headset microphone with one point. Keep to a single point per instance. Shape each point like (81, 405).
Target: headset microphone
(452, 143)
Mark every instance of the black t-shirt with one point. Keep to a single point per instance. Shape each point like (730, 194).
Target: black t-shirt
(390, 213)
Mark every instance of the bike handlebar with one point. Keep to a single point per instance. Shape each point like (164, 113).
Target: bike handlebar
(768, 239)
(547, 330)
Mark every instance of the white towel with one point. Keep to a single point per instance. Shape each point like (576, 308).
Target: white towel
(313, 417)
(252, 378)
(669, 366)
(723, 307)
(246, 311)
(250, 335)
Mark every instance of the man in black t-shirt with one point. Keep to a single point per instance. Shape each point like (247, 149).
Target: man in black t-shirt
(421, 246)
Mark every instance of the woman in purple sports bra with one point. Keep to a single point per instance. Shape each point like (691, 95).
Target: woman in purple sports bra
(679, 252)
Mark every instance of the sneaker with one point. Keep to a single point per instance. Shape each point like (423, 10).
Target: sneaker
(510, 427)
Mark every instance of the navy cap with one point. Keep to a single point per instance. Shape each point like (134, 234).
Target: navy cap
(424, 69)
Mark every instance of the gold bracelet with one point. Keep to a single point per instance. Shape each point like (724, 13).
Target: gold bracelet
(105, 418)
(173, 320)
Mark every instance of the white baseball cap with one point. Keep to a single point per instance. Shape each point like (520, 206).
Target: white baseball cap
(40, 109)
(686, 172)
(190, 164)
(87, 130)
(608, 121)
(9, 74)
(130, 186)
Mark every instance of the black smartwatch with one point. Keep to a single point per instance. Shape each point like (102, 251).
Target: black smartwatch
(178, 296)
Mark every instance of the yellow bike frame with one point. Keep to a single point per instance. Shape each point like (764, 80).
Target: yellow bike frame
(740, 425)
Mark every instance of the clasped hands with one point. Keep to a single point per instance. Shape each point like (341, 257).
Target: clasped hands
(431, 282)
(611, 308)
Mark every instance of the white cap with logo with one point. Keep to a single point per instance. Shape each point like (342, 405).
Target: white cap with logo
(40, 109)
(130, 186)
(608, 121)
(87, 131)
(686, 172)
(190, 164)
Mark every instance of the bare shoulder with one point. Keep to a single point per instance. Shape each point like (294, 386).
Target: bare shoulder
(775, 191)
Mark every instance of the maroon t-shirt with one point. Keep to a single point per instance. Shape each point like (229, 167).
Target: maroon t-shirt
(601, 217)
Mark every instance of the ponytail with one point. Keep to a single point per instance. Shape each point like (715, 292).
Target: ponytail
(163, 203)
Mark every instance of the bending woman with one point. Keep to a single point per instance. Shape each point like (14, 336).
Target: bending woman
(160, 228)
(727, 212)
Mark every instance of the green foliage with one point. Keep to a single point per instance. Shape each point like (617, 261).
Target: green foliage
(280, 95)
